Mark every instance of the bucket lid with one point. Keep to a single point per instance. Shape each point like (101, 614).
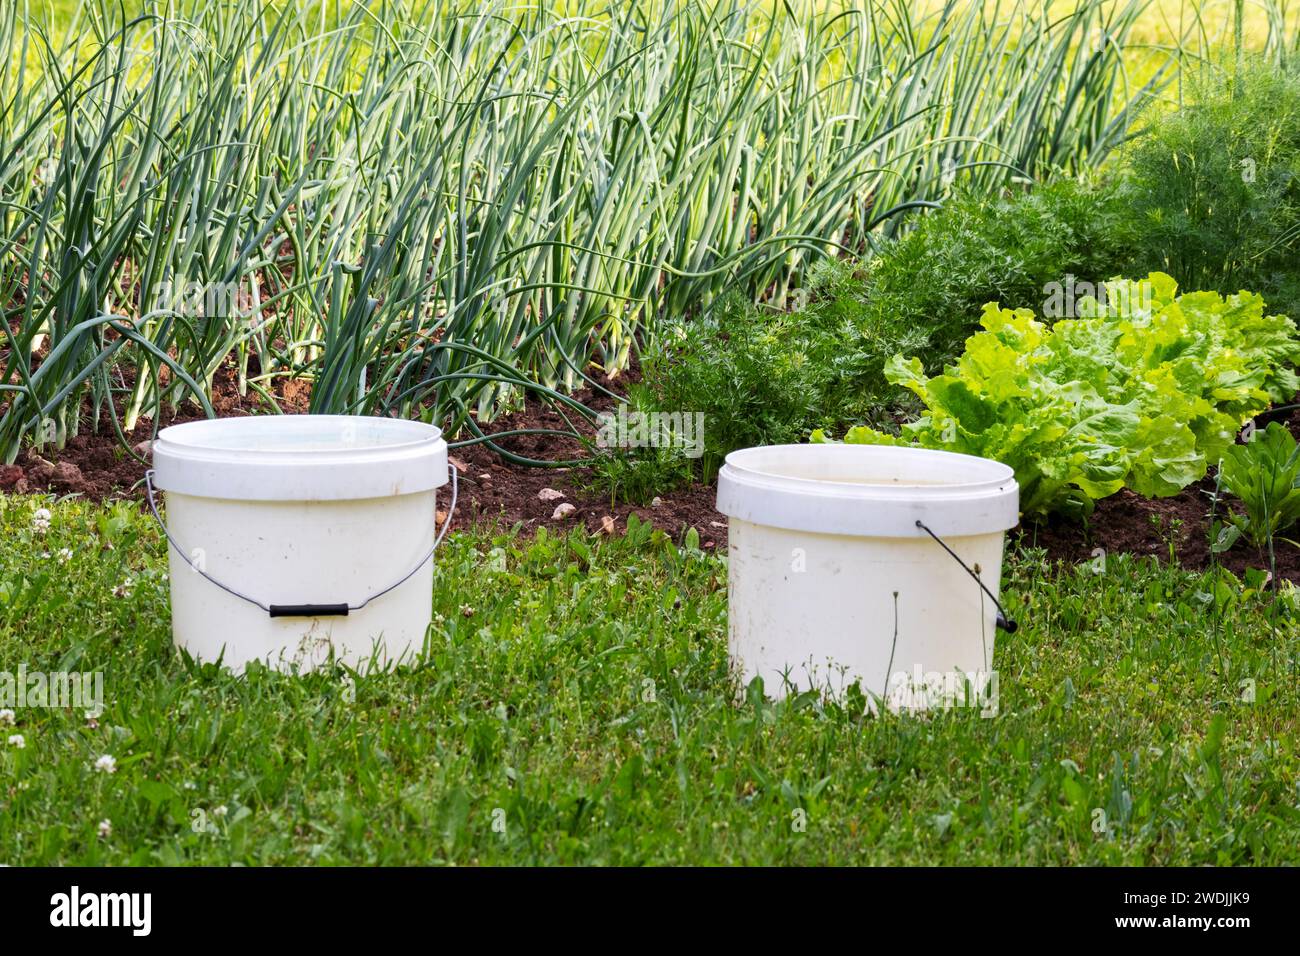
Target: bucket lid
(868, 490)
(300, 458)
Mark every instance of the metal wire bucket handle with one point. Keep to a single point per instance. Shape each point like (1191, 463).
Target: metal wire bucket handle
(1003, 622)
(302, 610)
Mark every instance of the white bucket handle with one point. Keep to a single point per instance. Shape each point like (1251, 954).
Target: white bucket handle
(302, 610)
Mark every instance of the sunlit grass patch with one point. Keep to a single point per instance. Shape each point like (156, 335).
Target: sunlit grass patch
(575, 706)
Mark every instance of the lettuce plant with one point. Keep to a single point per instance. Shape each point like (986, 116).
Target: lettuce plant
(1143, 390)
(1264, 474)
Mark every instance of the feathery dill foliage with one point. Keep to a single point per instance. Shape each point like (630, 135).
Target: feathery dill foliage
(1007, 248)
(765, 377)
(1214, 187)
(425, 207)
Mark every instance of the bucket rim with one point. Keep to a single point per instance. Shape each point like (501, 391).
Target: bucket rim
(319, 460)
(757, 485)
(749, 464)
(194, 439)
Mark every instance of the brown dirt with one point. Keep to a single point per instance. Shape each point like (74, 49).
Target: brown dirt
(1125, 522)
(495, 492)
(97, 466)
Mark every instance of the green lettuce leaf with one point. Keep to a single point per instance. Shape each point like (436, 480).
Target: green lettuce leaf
(1144, 390)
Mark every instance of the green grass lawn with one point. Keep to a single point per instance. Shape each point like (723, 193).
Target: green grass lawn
(575, 706)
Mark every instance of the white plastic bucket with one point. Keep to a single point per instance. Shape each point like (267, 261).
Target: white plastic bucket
(279, 524)
(832, 581)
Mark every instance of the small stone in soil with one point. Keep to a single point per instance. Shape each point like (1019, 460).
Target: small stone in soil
(549, 494)
(656, 501)
(607, 525)
(563, 510)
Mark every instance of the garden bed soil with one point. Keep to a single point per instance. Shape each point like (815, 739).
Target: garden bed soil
(497, 492)
(493, 491)
(1180, 525)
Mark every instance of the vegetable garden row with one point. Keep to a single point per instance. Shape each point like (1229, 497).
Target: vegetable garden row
(425, 211)
(1061, 236)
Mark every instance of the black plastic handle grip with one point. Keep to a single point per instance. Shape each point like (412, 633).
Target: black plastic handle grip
(309, 610)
